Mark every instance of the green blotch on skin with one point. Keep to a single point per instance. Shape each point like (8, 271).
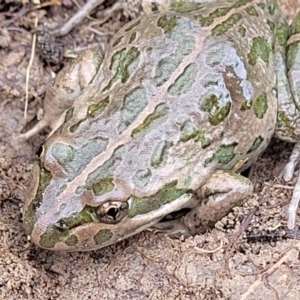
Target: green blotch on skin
(257, 142)
(295, 26)
(166, 194)
(283, 119)
(261, 5)
(71, 240)
(259, 49)
(167, 23)
(242, 30)
(142, 177)
(182, 6)
(85, 216)
(94, 110)
(217, 110)
(184, 81)
(120, 63)
(240, 3)
(260, 105)
(117, 41)
(209, 20)
(272, 25)
(98, 60)
(102, 186)
(219, 12)
(68, 117)
(282, 33)
(133, 104)
(273, 7)
(101, 177)
(54, 235)
(160, 154)
(285, 122)
(132, 37)
(190, 132)
(69, 114)
(131, 26)
(75, 126)
(223, 155)
(30, 215)
(103, 236)
(222, 28)
(251, 11)
(159, 116)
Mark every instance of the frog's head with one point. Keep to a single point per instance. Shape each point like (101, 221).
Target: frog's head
(72, 205)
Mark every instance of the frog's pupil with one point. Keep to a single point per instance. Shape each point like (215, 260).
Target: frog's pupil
(113, 212)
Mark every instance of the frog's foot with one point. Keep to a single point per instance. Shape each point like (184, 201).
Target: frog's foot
(288, 175)
(221, 192)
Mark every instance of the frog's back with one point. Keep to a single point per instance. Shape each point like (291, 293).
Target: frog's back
(183, 93)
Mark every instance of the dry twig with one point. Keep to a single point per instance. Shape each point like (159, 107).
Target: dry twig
(29, 67)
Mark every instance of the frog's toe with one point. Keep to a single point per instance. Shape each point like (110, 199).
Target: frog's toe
(292, 214)
(293, 160)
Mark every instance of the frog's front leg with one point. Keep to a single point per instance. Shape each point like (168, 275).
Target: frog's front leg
(221, 192)
(66, 88)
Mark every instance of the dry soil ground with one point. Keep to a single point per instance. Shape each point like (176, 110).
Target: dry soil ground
(241, 262)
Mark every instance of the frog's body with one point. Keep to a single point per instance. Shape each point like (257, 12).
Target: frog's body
(179, 100)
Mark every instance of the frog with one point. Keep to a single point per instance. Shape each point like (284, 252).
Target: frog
(184, 99)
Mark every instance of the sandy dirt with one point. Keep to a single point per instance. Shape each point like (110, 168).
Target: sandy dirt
(247, 256)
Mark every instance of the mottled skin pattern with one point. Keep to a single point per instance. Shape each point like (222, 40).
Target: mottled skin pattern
(179, 100)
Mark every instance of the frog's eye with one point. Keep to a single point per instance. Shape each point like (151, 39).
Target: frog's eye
(39, 151)
(112, 212)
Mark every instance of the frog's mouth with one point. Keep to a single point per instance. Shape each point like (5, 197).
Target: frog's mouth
(94, 235)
